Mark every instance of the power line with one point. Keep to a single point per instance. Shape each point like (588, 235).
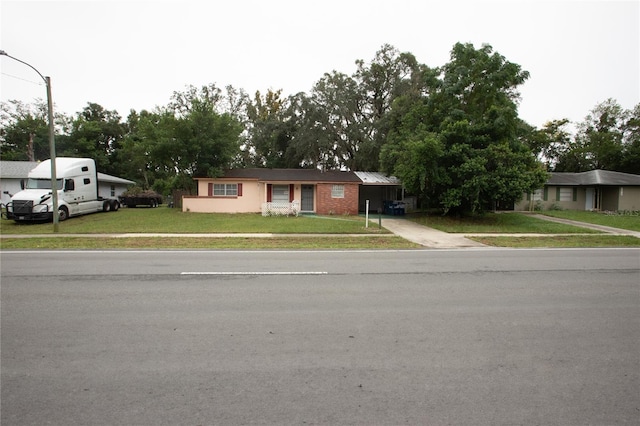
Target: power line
(23, 79)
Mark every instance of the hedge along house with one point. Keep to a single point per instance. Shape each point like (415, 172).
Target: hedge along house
(276, 191)
(601, 190)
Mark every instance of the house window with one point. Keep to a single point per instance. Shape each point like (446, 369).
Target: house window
(337, 191)
(280, 193)
(225, 189)
(538, 194)
(113, 190)
(565, 194)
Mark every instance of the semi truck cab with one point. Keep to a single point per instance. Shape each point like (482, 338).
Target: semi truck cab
(77, 187)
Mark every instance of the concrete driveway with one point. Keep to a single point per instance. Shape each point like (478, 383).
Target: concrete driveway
(426, 236)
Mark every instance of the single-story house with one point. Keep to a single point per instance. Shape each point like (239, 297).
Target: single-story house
(289, 191)
(12, 172)
(601, 190)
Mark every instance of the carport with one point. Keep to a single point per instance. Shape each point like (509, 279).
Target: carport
(378, 188)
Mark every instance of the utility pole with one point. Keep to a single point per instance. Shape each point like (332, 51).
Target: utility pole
(52, 143)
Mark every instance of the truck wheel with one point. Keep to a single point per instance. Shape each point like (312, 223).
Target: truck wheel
(106, 206)
(115, 205)
(63, 214)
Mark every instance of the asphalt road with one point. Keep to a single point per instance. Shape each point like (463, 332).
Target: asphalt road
(461, 337)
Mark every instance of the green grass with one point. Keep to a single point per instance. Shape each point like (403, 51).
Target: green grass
(571, 241)
(381, 242)
(166, 220)
(629, 222)
(507, 223)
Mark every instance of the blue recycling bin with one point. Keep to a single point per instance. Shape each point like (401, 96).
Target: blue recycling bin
(394, 208)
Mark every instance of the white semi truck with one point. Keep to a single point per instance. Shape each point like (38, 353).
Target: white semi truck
(77, 186)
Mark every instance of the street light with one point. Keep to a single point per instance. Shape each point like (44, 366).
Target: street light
(52, 142)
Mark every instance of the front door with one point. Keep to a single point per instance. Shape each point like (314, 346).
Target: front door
(590, 199)
(306, 203)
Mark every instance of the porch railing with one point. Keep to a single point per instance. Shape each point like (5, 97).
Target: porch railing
(279, 208)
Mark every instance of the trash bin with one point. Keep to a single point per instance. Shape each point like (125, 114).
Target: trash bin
(394, 208)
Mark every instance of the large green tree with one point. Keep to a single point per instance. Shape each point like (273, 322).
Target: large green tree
(24, 130)
(550, 143)
(467, 129)
(345, 115)
(95, 133)
(167, 148)
(137, 146)
(311, 142)
(631, 142)
(608, 138)
(337, 108)
(207, 141)
(271, 126)
(389, 75)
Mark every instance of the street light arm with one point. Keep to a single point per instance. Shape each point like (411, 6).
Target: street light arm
(3, 53)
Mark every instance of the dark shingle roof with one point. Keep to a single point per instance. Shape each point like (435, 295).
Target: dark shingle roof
(594, 178)
(293, 175)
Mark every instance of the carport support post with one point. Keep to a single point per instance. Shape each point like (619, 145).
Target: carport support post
(379, 218)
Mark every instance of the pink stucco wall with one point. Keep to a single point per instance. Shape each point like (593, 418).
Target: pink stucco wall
(249, 202)
(254, 194)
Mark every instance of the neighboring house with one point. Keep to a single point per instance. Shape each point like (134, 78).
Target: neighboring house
(112, 185)
(12, 172)
(285, 191)
(601, 190)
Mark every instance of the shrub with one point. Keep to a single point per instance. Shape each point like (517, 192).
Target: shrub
(555, 206)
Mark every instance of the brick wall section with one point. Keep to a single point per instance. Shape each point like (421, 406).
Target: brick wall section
(339, 206)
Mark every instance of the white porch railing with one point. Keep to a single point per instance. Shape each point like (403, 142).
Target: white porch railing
(279, 208)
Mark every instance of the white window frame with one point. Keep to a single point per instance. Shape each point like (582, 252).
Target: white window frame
(225, 189)
(566, 194)
(280, 193)
(337, 191)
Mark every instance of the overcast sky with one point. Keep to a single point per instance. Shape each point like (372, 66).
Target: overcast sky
(134, 54)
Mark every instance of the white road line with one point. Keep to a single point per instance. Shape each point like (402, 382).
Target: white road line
(254, 273)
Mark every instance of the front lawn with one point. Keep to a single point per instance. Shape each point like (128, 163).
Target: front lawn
(498, 223)
(377, 242)
(561, 241)
(168, 220)
(623, 221)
